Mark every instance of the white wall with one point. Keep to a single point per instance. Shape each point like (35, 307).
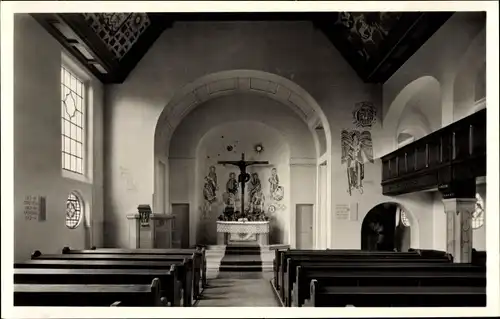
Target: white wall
(37, 146)
(189, 51)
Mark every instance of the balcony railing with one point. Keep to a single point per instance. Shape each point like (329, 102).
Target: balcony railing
(452, 154)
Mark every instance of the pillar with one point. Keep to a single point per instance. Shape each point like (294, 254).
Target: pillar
(459, 201)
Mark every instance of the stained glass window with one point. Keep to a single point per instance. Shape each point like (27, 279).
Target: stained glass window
(478, 215)
(404, 219)
(73, 211)
(73, 122)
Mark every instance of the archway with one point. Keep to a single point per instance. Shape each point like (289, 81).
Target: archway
(233, 82)
(387, 227)
(417, 108)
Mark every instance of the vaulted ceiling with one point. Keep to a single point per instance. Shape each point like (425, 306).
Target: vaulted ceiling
(375, 44)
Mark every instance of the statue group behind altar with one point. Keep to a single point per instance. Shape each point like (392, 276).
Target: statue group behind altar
(248, 224)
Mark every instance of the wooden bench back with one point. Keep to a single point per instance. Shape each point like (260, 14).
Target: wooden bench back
(171, 286)
(384, 296)
(387, 276)
(88, 295)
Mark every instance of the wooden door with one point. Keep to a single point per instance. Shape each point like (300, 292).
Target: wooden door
(304, 215)
(180, 226)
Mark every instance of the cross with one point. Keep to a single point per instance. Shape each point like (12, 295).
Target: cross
(244, 176)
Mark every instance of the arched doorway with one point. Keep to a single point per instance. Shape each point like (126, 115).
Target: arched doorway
(386, 227)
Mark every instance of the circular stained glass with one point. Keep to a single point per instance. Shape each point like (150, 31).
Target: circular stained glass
(478, 215)
(404, 219)
(73, 211)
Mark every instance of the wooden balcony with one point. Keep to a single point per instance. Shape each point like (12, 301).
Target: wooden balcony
(450, 155)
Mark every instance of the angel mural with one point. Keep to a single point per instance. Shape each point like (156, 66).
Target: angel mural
(357, 149)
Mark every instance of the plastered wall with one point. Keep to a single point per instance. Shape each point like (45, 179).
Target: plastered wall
(37, 147)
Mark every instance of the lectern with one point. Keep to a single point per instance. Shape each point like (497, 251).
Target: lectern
(149, 230)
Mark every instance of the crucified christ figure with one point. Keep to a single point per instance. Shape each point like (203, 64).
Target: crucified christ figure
(244, 176)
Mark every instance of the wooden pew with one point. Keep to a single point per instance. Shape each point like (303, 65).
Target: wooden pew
(171, 286)
(184, 268)
(396, 274)
(287, 271)
(478, 257)
(43, 295)
(199, 253)
(409, 296)
(174, 258)
(282, 255)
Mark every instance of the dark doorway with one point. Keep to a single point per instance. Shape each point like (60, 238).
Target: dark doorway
(386, 228)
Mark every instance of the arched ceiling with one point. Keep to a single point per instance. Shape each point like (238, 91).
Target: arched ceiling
(375, 44)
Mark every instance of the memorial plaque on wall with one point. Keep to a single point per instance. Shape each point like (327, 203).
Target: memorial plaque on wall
(342, 211)
(35, 208)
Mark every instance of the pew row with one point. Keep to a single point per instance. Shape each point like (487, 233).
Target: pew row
(171, 286)
(195, 273)
(43, 295)
(386, 296)
(281, 257)
(200, 255)
(393, 274)
(287, 271)
(184, 268)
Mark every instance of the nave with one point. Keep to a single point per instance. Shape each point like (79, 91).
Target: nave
(240, 276)
(210, 167)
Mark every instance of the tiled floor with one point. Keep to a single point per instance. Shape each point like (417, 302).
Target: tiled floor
(238, 289)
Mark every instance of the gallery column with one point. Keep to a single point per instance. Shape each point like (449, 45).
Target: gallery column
(459, 205)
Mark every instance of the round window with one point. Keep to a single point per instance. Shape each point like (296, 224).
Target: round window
(73, 211)
(478, 215)
(404, 219)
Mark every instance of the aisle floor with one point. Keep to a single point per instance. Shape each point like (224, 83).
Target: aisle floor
(239, 289)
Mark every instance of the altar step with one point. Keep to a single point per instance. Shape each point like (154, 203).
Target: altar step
(216, 253)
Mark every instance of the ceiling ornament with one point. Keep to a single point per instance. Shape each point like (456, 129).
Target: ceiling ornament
(119, 31)
(367, 30)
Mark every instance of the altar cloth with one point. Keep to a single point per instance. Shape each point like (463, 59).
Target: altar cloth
(228, 231)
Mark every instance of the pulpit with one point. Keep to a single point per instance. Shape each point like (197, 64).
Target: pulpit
(248, 232)
(149, 230)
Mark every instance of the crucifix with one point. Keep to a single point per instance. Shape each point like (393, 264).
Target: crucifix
(244, 176)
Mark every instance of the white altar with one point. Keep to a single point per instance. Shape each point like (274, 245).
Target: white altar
(248, 232)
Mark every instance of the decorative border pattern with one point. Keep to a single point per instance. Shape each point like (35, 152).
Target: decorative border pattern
(243, 227)
(119, 31)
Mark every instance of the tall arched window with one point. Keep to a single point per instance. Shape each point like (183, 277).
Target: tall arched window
(74, 211)
(73, 124)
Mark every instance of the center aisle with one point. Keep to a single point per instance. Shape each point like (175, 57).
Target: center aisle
(238, 280)
(239, 289)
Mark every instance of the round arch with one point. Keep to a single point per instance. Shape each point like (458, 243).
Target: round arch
(229, 82)
(391, 208)
(393, 121)
(223, 83)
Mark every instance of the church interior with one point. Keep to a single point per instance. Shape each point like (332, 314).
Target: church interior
(304, 159)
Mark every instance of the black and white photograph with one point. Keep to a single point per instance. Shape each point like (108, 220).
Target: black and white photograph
(331, 155)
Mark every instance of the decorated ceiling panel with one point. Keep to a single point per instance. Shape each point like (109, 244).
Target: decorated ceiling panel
(366, 31)
(375, 44)
(118, 31)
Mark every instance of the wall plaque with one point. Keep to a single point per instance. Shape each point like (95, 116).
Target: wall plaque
(35, 208)
(342, 211)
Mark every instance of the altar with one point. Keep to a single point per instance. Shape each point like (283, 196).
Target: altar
(248, 232)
